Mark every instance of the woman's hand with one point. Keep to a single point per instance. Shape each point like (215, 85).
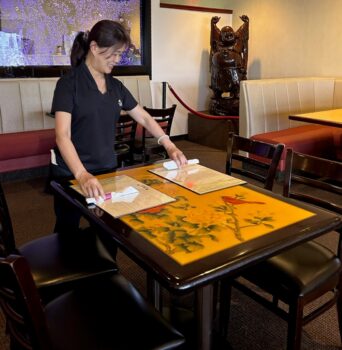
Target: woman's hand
(90, 185)
(175, 154)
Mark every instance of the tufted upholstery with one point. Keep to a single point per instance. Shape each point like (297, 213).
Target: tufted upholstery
(26, 133)
(265, 105)
(23, 103)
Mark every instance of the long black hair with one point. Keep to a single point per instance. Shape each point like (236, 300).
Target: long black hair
(105, 33)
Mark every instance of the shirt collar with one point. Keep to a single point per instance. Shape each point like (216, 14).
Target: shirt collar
(91, 81)
(109, 82)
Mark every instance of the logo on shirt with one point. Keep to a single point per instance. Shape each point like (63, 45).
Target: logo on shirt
(120, 103)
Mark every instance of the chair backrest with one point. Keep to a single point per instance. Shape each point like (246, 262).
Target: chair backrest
(20, 302)
(259, 160)
(316, 181)
(163, 116)
(126, 128)
(125, 132)
(7, 242)
(307, 177)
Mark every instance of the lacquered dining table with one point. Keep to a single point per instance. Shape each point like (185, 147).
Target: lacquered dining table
(196, 239)
(330, 117)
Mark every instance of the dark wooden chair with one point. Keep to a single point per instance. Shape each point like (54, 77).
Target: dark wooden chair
(302, 274)
(148, 145)
(57, 261)
(258, 161)
(124, 140)
(110, 314)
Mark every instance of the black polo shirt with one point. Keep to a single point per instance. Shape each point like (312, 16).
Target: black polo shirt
(93, 116)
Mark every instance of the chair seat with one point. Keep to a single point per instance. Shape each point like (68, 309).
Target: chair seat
(297, 271)
(108, 315)
(122, 149)
(58, 259)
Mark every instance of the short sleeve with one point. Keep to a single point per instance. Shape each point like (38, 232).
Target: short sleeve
(63, 98)
(128, 101)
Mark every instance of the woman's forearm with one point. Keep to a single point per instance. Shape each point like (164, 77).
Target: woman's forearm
(70, 156)
(146, 121)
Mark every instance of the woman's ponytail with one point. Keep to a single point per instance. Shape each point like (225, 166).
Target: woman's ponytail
(79, 49)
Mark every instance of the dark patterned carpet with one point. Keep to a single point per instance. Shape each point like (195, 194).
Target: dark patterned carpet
(251, 326)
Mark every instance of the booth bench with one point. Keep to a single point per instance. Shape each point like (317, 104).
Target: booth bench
(266, 104)
(26, 132)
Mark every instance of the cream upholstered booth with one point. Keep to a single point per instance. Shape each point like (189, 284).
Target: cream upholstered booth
(265, 105)
(26, 133)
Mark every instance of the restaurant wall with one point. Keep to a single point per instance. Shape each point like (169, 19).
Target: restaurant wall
(291, 37)
(288, 37)
(180, 56)
(323, 38)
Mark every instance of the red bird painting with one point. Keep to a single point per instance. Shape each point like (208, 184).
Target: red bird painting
(238, 201)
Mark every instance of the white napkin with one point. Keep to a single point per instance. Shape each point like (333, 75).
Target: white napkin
(129, 192)
(127, 195)
(172, 165)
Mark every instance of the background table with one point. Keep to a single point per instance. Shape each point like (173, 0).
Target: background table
(331, 117)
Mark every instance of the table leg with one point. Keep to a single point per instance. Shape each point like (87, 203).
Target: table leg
(154, 293)
(204, 317)
(224, 308)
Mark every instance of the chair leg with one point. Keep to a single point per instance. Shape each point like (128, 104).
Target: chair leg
(131, 158)
(145, 157)
(295, 325)
(224, 311)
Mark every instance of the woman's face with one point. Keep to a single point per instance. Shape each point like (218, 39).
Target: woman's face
(105, 58)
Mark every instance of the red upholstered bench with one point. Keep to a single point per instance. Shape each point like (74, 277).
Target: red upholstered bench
(321, 141)
(24, 150)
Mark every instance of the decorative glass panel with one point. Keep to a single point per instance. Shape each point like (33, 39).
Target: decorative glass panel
(41, 32)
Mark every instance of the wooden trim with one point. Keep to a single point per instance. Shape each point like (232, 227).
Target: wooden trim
(195, 8)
